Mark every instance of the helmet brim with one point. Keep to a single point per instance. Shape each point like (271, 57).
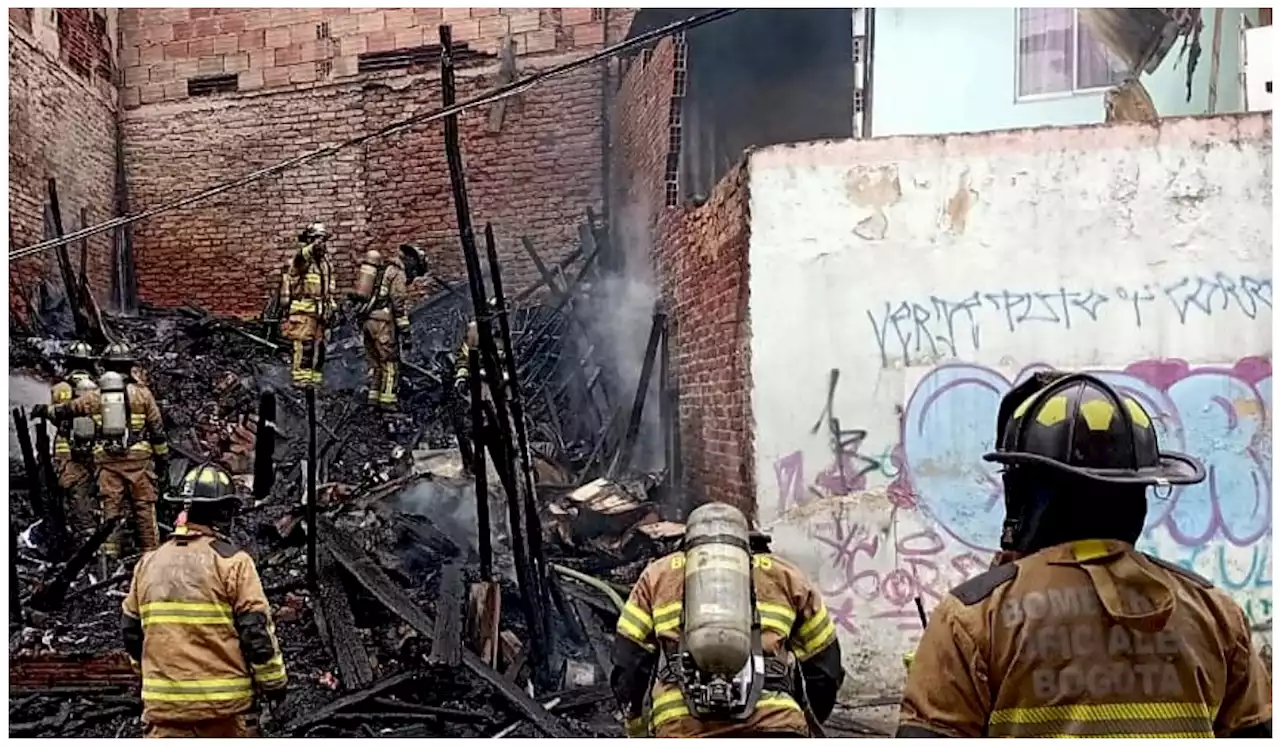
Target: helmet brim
(1174, 468)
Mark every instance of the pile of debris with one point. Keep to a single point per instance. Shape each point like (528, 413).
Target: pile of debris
(403, 598)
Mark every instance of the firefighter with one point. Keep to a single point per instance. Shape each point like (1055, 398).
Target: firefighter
(73, 446)
(1077, 633)
(706, 612)
(461, 366)
(130, 449)
(306, 294)
(380, 290)
(197, 623)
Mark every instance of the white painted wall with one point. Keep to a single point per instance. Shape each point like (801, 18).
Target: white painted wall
(931, 272)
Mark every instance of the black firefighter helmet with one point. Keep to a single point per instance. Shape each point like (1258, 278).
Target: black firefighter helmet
(118, 357)
(79, 356)
(1080, 425)
(205, 484)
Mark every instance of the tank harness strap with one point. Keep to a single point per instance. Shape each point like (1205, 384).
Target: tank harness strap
(730, 539)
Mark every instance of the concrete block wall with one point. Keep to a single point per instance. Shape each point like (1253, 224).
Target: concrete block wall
(698, 255)
(900, 286)
(62, 124)
(535, 175)
(282, 48)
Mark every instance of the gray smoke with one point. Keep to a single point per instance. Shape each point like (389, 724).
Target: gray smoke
(25, 392)
(450, 504)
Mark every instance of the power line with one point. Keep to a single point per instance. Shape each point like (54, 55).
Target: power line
(496, 94)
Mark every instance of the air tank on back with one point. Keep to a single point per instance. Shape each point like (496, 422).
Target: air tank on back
(115, 410)
(84, 429)
(717, 589)
(367, 276)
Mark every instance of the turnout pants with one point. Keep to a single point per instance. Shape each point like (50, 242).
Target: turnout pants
(307, 335)
(383, 353)
(236, 726)
(78, 480)
(132, 481)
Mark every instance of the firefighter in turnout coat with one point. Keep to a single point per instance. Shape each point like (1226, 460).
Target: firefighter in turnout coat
(73, 451)
(128, 464)
(306, 295)
(381, 291)
(197, 624)
(1077, 633)
(793, 633)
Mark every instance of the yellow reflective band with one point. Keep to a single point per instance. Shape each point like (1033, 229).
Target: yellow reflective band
(777, 700)
(200, 690)
(629, 630)
(777, 625)
(777, 610)
(272, 670)
(638, 615)
(636, 728)
(160, 449)
(666, 611)
(1128, 711)
(137, 421)
(185, 606)
(806, 650)
(185, 612)
(812, 625)
(667, 707)
(235, 681)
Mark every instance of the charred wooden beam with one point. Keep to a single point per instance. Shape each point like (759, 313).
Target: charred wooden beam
(30, 467)
(15, 585)
(313, 574)
(337, 625)
(484, 611)
(52, 593)
(463, 716)
(315, 717)
(371, 577)
(83, 328)
(481, 470)
(54, 505)
(622, 461)
(446, 647)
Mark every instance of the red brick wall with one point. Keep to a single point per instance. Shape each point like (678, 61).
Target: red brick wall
(535, 176)
(699, 256)
(61, 125)
(76, 669)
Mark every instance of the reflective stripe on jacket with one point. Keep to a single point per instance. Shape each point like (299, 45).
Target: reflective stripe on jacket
(198, 623)
(1089, 638)
(306, 285)
(146, 424)
(794, 624)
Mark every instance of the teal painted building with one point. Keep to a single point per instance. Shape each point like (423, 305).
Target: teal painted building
(945, 70)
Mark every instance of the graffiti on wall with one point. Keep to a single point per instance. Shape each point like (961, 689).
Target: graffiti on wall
(946, 503)
(924, 330)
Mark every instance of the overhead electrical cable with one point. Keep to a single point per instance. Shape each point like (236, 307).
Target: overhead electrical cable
(496, 94)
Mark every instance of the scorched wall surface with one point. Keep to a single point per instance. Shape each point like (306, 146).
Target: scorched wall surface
(535, 175)
(899, 286)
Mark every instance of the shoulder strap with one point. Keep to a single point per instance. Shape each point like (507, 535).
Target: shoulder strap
(977, 589)
(1196, 578)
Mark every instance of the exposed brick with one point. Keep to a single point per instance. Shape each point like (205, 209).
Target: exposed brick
(176, 50)
(232, 24)
(590, 34)
(250, 79)
(301, 33)
(152, 92)
(205, 27)
(354, 45)
(183, 30)
(135, 75)
(226, 44)
(412, 37)
(200, 47)
(257, 19)
(344, 26)
(235, 63)
(370, 22)
(160, 73)
(130, 56)
(525, 21)
(260, 58)
(159, 33)
(185, 69)
(484, 12)
(152, 54)
(277, 37)
(450, 15)
(131, 98)
(174, 90)
(534, 42)
(210, 65)
(286, 56)
(465, 30)
(304, 73)
(494, 26)
(274, 76)
(251, 40)
(575, 16)
(200, 12)
(398, 19)
(427, 16)
(344, 66)
(312, 51)
(381, 41)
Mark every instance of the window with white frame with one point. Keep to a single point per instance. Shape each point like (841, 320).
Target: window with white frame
(1057, 55)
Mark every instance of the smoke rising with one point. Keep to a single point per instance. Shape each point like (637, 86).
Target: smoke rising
(450, 504)
(24, 391)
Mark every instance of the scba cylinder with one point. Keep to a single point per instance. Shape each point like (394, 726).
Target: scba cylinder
(115, 409)
(84, 429)
(717, 589)
(367, 277)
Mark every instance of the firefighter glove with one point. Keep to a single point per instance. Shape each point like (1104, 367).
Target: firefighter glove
(162, 474)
